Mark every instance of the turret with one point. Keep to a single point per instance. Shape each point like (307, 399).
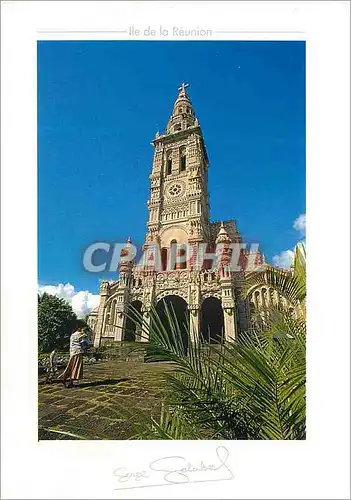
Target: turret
(126, 263)
(223, 250)
(222, 236)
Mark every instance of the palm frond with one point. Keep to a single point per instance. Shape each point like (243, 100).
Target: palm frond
(251, 389)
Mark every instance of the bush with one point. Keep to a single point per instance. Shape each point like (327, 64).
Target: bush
(43, 362)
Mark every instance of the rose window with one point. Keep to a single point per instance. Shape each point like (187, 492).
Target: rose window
(175, 189)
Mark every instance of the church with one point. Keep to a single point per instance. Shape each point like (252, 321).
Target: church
(180, 235)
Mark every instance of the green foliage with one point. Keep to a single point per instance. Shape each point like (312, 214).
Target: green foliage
(56, 322)
(252, 389)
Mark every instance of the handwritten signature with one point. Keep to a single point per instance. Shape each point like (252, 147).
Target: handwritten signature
(175, 470)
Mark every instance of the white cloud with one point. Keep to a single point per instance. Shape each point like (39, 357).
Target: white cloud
(286, 258)
(82, 302)
(300, 223)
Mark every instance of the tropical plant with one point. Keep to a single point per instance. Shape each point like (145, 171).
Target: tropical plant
(251, 389)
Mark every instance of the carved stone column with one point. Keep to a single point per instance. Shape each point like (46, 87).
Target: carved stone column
(119, 325)
(148, 300)
(104, 291)
(145, 325)
(228, 305)
(230, 324)
(194, 306)
(194, 323)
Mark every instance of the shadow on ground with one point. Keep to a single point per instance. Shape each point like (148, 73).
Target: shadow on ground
(102, 382)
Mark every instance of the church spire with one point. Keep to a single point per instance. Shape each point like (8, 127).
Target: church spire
(183, 115)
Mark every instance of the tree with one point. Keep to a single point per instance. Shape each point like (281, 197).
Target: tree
(251, 389)
(56, 322)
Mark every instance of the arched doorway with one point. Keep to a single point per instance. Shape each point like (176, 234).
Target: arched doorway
(133, 323)
(177, 308)
(212, 320)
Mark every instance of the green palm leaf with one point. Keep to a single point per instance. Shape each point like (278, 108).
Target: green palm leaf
(252, 389)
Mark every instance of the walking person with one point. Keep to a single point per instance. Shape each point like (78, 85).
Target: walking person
(77, 346)
(52, 368)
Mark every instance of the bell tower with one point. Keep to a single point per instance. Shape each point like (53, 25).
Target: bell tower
(178, 204)
(186, 259)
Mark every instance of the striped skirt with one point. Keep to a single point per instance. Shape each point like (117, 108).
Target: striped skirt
(74, 369)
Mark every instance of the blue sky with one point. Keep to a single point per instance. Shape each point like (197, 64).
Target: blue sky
(99, 107)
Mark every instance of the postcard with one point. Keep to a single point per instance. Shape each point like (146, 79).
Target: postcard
(167, 260)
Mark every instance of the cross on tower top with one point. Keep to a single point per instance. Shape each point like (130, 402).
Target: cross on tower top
(183, 87)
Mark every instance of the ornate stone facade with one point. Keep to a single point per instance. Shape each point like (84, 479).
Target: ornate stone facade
(179, 216)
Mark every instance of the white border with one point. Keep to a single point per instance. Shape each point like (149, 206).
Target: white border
(317, 468)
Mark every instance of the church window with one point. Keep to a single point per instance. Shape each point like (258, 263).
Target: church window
(187, 110)
(177, 127)
(182, 163)
(182, 159)
(164, 257)
(180, 110)
(173, 255)
(175, 190)
(169, 166)
(181, 257)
